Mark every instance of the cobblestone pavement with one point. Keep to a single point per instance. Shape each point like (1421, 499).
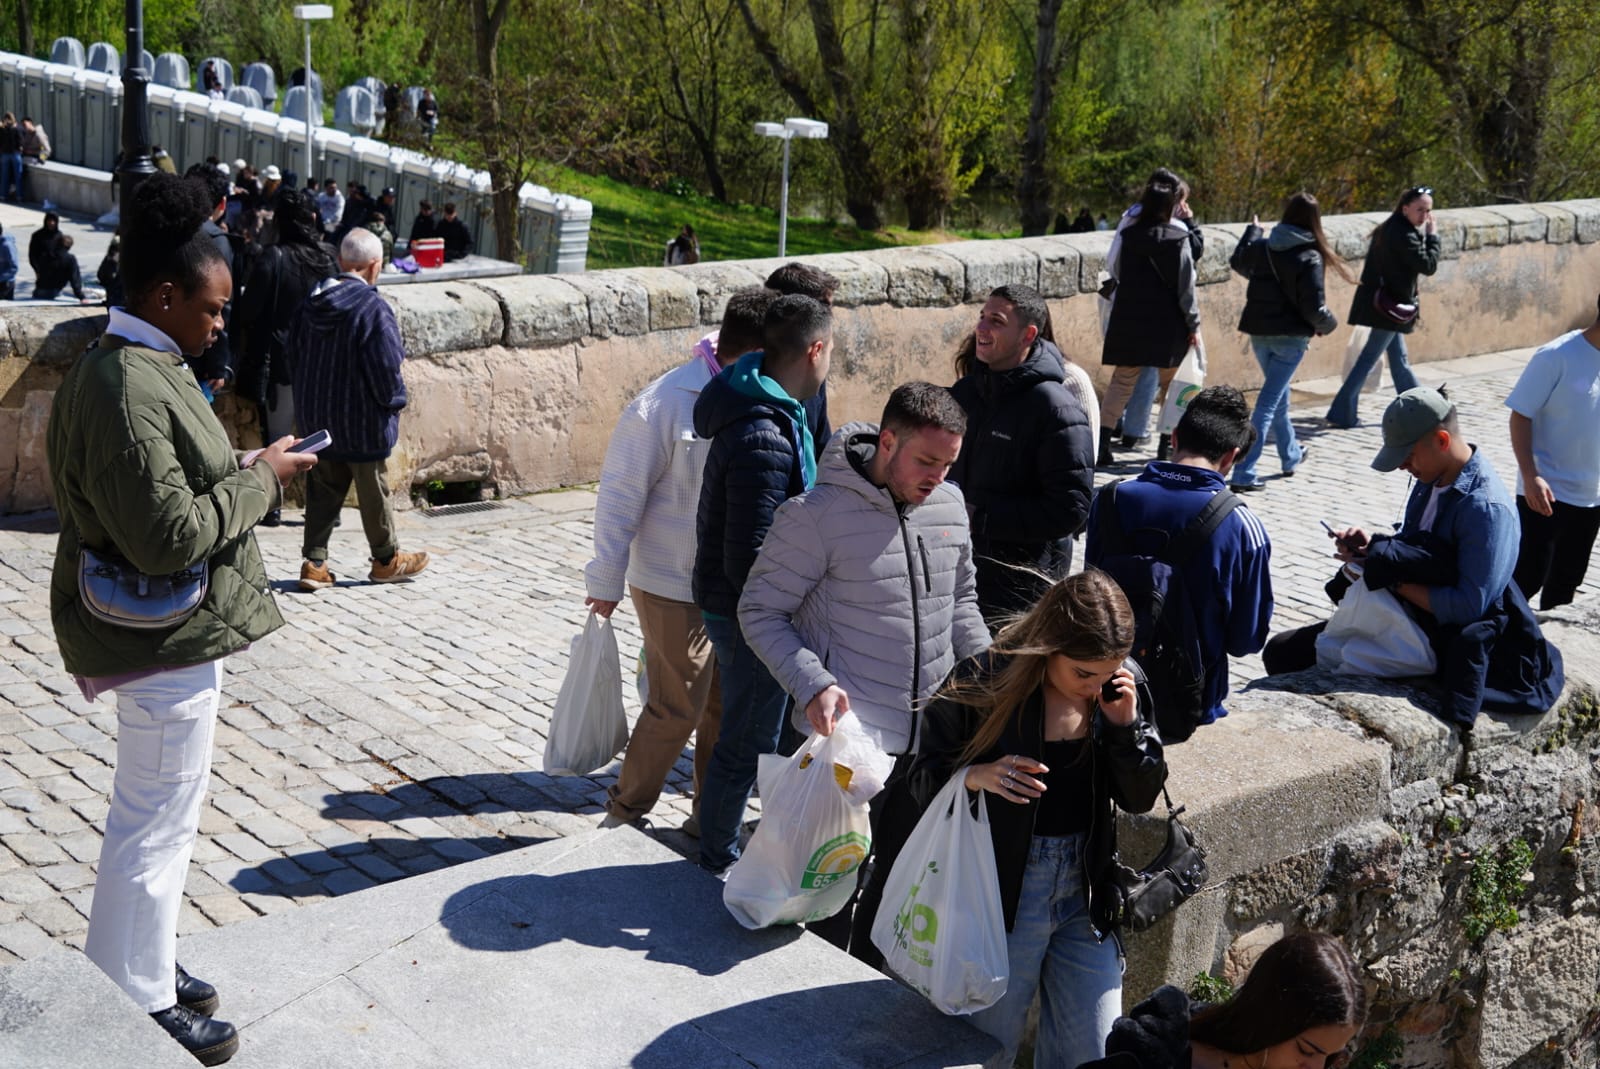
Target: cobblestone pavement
(392, 730)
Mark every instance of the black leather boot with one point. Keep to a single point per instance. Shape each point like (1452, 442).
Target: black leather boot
(197, 995)
(1105, 459)
(212, 1042)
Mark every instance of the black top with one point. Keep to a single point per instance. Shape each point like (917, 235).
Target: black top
(1067, 806)
(1398, 254)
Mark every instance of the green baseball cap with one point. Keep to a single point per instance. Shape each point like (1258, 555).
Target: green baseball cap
(1408, 419)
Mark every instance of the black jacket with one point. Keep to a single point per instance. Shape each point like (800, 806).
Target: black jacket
(278, 285)
(1154, 310)
(751, 469)
(1398, 254)
(217, 361)
(1154, 1034)
(457, 238)
(1285, 295)
(1126, 763)
(424, 227)
(1027, 471)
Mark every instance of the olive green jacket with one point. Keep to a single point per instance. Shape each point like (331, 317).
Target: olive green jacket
(142, 469)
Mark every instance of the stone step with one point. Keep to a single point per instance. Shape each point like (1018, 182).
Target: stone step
(601, 950)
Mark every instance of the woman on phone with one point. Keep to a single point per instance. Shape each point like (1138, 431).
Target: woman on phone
(1302, 1003)
(1403, 246)
(1053, 722)
(1283, 307)
(144, 476)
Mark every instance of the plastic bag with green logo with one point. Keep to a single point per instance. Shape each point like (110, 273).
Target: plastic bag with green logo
(803, 860)
(941, 927)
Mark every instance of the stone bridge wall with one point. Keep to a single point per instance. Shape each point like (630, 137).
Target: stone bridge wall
(517, 382)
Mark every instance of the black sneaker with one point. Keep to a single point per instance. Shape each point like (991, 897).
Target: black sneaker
(196, 995)
(212, 1042)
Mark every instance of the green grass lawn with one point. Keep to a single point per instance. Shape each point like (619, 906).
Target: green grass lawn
(632, 225)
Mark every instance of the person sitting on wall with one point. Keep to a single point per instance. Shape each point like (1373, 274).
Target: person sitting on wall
(457, 238)
(58, 271)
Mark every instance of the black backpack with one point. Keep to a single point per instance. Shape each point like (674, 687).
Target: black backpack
(1166, 637)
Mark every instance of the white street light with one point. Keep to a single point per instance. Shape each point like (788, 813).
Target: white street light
(309, 13)
(787, 131)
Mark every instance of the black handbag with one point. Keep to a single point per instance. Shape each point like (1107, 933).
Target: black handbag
(1136, 900)
(1397, 312)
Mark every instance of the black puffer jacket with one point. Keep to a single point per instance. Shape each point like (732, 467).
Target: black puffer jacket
(1154, 310)
(1285, 296)
(751, 468)
(279, 282)
(1126, 762)
(1026, 470)
(1398, 254)
(1154, 1034)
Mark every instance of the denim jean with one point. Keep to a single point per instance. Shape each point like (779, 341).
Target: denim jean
(1279, 356)
(1053, 952)
(1136, 417)
(11, 175)
(1342, 413)
(753, 705)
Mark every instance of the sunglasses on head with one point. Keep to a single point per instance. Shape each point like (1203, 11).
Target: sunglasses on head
(1419, 191)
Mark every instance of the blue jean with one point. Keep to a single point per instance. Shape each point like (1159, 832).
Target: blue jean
(1136, 417)
(1342, 413)
(753, 705)
(1279, 356)
(11, 175)
(1053, 952)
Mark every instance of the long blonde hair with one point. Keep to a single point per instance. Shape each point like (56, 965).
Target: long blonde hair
(1085, 617)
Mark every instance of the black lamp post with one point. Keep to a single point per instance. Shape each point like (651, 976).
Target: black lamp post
(136, 164)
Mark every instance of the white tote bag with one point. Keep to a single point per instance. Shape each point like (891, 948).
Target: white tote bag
(803, 861)
(1188, 380)
(588, 727)
(941, 926)
(1371, 634)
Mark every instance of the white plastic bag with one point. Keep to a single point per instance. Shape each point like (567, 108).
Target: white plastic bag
(1371, 634)
(588, 727)
(941, 927)
(1188, 380)
(802, 862)
(1359, 336)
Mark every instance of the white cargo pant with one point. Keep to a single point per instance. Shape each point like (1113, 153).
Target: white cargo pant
(165, 724)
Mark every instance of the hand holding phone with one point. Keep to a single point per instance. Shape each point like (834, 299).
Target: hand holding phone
(1109, 692)
(311, 443)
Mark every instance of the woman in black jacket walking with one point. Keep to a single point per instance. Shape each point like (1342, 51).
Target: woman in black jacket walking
(1029, 723)
(1155, 318)
(1284, 306)
(1403, 246)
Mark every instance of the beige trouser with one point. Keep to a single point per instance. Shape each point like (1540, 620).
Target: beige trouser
(1123, 380)
(683, 699)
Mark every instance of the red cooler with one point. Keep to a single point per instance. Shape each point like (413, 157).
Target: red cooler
(428, 252)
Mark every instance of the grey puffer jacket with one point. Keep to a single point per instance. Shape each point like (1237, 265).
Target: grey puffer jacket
(855, 589)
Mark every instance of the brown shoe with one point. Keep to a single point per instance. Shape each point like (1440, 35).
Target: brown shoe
(401, 567)
(316, 577)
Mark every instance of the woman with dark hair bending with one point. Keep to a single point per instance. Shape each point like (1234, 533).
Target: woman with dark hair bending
(1030, 723)
(1302, 1003)
(144, 475)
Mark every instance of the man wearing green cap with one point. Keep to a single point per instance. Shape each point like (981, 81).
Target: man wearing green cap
(1457, 498)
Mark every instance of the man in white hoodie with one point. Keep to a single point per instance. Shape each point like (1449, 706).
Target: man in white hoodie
(644, 535)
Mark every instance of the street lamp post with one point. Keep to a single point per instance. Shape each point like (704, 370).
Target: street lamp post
(136, 164)
(787, 131)
(309, 13)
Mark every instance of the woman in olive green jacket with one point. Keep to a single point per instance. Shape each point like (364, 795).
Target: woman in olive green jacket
(143, 474)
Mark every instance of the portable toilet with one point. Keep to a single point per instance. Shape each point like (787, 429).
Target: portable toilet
(35, 96)
(228, 135)
(355, 111)
(67, 51)
(573, 218)
(413, 184)
(149, 61)
(261, 145)
(224, 74)
(298, 77)
(10, 83)
(291, 149)
(295, 105)
(191, 131)
(171, 70)
(245, 97)
(374, 167)
(102, 124)
(536, 219)
(259, 76)
(335, 153)
(104, 58)
(161, 106)
(63, 116)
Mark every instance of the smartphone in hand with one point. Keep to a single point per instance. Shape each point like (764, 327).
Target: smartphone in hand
(1110, 692)
(311, 443)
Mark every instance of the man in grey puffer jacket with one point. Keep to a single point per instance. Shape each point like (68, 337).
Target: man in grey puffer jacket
(864, 597)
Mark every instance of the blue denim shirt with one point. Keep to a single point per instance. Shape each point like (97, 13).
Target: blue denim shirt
(1476, 516)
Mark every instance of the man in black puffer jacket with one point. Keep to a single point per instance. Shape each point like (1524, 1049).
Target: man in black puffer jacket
(761, 455)
(1027, 468)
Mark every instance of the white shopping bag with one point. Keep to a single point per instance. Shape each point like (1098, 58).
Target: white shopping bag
(941, 927)
(1359, 337)
(588, 727)
(805, 856)
(1371, 634)
(1189, 380)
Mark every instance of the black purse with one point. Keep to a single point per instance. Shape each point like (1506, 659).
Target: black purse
(1136, 900)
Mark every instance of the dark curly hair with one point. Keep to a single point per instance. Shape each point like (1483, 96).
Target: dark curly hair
(161, 236)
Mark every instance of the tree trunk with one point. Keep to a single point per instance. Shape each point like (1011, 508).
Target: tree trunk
(1034, 195)
(24, 28)
(504, 178)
